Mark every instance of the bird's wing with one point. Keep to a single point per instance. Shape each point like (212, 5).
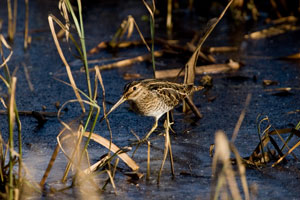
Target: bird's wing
(171, 93)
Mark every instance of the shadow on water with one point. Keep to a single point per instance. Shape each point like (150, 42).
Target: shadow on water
(191, 141)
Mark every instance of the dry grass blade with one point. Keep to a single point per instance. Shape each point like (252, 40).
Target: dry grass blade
(130, 26)
(12, 102)
(222, 169)
(149, 9)
(169, 15)
(63, 11)
(285, 130)
(106, 143)
(241, 118)
(96, 165)
(127, 25)
(30, 85)
(3, 102)
(76, 136)
(289, 152)
(141, 35)
(258, 149)
(26, 37)
(99, 77)
(50, 165)
(259, 157)
(111, 179)
(3, 41)
(69, 72)
(242, 171)
(189, 76)
(12, 19)
(191, 64)
(11, 123)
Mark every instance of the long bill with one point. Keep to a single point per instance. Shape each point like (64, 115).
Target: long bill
(121, 100)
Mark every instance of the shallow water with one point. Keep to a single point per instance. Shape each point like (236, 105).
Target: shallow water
(190, 143)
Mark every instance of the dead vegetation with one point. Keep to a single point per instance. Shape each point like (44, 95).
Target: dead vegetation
(74, 139)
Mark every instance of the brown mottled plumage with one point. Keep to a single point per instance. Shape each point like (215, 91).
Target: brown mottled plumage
(151, 97)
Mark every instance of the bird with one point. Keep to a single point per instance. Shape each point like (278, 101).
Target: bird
(154, 98)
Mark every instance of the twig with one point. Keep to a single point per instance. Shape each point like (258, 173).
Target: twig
(50, 164)
(31, 113)
(127, 62)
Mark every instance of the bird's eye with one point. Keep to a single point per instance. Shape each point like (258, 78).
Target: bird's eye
(134, 88)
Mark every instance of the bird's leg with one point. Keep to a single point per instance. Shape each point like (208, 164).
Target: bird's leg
(151, 131)
(171, 120)
(167, 149)
(139, 142)
(146, 137)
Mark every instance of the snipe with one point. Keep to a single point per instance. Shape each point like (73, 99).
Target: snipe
(152, 97)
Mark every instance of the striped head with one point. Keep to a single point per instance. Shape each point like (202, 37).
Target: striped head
(133, 90)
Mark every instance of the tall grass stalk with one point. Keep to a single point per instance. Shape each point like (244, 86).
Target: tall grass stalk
(26, 24)
(68, 167)
(82, 51)
(190, 66)
(51, 18)
(259, 122)
(12, 19)
(224, 181)
(80, 32)
(152, 30)
(152, 24)
(13, 117)
(169, 15)
(10, 32)
(11, 122)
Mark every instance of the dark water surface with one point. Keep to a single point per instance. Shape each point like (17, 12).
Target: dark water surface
(191, 142)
